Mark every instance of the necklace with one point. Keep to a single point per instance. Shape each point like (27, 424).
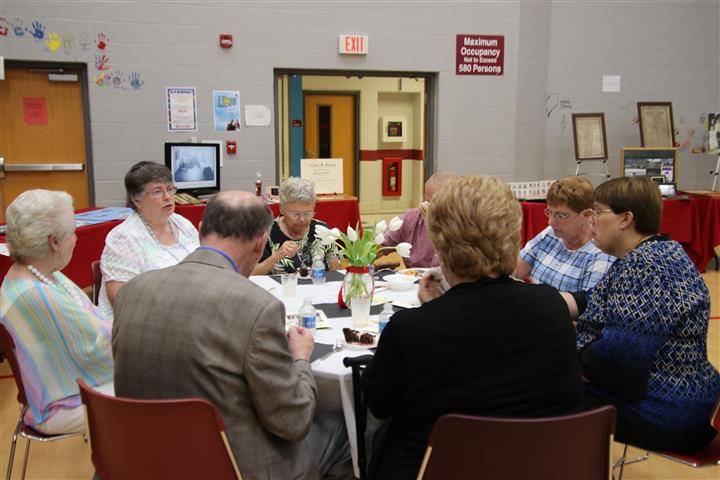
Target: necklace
(162, 245)
(38, 274)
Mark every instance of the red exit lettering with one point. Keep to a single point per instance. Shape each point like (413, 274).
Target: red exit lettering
(353, 44)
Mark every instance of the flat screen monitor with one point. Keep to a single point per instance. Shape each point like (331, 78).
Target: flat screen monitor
(195, 167)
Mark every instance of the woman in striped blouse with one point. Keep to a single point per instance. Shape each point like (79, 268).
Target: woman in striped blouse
(59, 334)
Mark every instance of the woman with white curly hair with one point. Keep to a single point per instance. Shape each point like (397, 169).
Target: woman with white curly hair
(292, 243)
(59, 334)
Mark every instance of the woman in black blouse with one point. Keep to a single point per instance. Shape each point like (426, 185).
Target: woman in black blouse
(489, 345)
(292, 243)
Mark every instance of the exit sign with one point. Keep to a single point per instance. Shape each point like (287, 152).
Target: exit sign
(353, 44)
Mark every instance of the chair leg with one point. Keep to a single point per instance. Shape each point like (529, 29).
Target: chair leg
(27, 454)
(12, 448)
(623, 461)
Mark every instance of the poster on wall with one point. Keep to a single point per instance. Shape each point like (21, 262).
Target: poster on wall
(480, 54)
(182, 109)
(226, 110)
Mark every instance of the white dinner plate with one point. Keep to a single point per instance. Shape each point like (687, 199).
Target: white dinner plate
(414, 272)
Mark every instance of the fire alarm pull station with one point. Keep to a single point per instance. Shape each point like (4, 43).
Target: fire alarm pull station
(231, 147)
(226, 40)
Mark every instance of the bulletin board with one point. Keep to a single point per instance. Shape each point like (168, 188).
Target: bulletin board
(651, 162)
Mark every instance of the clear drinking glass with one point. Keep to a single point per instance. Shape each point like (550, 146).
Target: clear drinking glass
(289, 284)
(360, 308)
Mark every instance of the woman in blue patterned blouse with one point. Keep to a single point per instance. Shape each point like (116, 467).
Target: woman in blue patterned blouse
(642, 336)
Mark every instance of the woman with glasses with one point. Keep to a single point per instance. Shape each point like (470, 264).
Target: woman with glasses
(564, 255)
(152, 237)
(292, 244)
(642, 336)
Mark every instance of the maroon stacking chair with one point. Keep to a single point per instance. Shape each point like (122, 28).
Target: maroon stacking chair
(708, 456)
(97, 281)
(179, 438)
(572, 446)
(22, 430)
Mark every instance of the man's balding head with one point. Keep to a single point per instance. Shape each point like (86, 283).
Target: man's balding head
(235, 214)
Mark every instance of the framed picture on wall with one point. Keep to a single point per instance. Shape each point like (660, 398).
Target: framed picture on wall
(656, 124)
(589, 136)
(714, 133)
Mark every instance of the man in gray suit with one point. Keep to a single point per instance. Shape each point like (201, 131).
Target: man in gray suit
(201, 328)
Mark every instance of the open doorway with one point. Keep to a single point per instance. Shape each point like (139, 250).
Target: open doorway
(381, 124)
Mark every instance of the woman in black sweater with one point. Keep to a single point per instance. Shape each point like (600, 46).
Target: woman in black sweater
(489, 346)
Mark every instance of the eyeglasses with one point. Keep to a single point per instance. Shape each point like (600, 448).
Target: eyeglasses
(559, 216)
(298, 215)
(596, 212)
(160, 191)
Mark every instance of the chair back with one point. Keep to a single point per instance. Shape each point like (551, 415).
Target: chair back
(131, 438)
(8, 345)
(715, 420)
(97, 281)
(570, 446)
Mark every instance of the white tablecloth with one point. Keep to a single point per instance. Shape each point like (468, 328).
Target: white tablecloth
(334, 380)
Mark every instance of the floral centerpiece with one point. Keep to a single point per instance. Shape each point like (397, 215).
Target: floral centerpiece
(360, 250)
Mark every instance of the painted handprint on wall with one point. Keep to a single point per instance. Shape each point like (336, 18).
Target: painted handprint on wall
(118, 80)
(84, 41)
(18, 27)
(135, 82)
(4, 27)
(102, 79)
(52, 42)
(68, 43)
(102, 41)
(101, 62)
(38, 30)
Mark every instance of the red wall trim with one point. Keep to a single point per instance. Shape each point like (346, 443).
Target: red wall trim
(380, 154)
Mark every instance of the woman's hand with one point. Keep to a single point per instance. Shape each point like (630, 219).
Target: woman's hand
(287, 250)
(430, 286)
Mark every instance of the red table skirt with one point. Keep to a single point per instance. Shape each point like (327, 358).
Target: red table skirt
(336, 212)
(694, 223)
(89, 247)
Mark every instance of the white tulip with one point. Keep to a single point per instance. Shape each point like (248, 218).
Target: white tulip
(335, 233)
(381, 226)
(352, 234)
(379, 238)
(403, 249)
(322, 232)
(395, 224)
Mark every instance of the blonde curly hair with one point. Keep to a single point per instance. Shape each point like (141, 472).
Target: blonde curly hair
(474, 223)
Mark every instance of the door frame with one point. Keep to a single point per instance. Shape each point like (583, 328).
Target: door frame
(58, 67)
(431, 83)
(356, 99)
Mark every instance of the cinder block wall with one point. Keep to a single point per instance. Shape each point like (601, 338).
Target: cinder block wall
(491, 125)
(663, 51)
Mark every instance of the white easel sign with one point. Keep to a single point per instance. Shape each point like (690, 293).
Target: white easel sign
(326, 173)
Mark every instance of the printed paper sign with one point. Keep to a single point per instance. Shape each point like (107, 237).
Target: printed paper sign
(35, 110)
(480, 55)
(327, 173)
(182, 109)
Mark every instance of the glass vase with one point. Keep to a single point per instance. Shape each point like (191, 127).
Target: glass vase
(357, 293)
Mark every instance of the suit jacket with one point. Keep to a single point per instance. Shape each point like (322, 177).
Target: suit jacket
(199, 329)
(496, 347)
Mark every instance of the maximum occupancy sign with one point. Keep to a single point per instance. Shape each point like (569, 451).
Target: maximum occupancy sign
(480, 54)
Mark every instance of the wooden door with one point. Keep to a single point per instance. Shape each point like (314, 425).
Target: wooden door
(42, 123)
(330, 132)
